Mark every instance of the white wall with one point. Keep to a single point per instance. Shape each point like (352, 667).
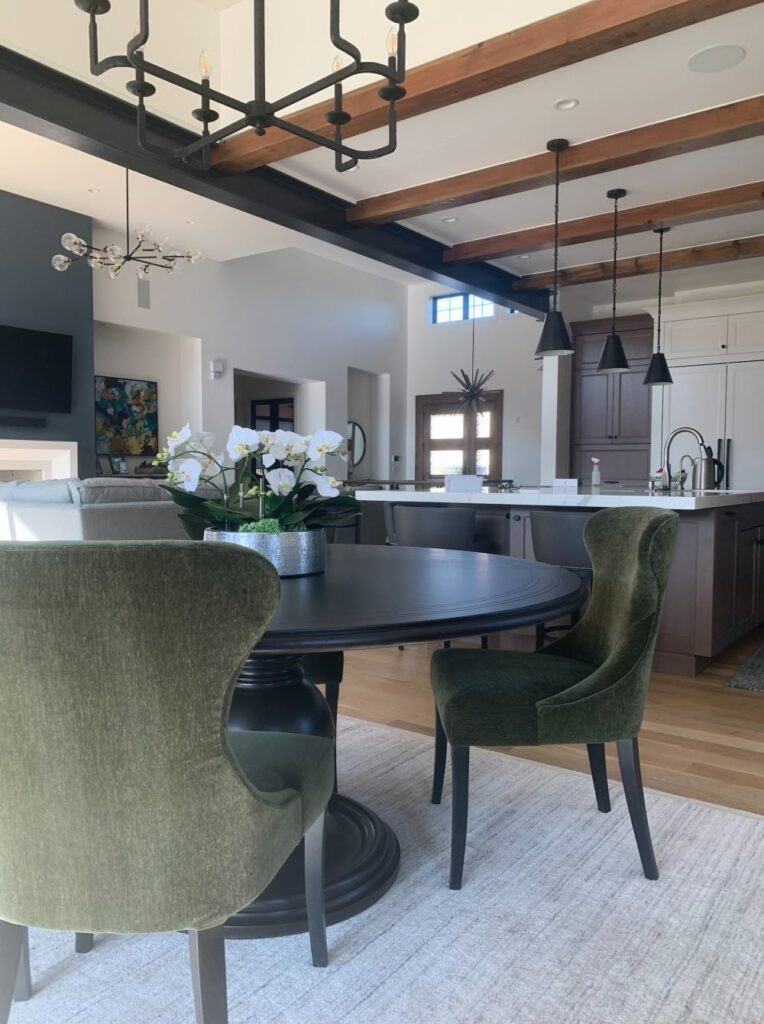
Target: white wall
(290, 315)
(172, 360)
(504, 344)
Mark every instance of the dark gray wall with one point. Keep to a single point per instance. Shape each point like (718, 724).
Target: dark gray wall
(34, 296)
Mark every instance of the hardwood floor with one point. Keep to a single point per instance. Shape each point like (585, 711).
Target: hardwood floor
(700, 739)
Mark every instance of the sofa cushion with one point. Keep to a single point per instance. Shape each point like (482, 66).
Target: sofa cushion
(38, 491)
(113, 490)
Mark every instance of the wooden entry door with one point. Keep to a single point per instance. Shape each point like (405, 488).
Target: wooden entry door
(451, 440)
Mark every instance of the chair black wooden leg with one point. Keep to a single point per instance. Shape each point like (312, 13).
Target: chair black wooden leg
(540, 636)
(12, 939)
(439, 768)
(598, 767)
(332, 691)
(314, 891)
(83, 942)
(628, 758)
(23, 991)
(484, 642)
(207, 949)
(460, 768)
(446, 645)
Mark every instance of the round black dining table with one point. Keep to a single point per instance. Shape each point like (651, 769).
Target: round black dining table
(371, 596)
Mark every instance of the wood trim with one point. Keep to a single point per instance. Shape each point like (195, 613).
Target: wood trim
(721, 203)
(635, 322)
(676, 259)
(743, 119)
(588, 30)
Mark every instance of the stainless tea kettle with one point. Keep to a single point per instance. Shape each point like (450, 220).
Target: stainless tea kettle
(707, 472)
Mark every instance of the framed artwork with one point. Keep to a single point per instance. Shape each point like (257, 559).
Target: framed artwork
(126, 416)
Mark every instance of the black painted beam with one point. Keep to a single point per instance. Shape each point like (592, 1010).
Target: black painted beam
(46, 102)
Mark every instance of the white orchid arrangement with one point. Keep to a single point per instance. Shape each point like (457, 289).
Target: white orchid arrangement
(264, 481)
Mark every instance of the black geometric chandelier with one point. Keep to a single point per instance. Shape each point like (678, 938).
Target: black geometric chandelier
(259, 113)
(555, 340)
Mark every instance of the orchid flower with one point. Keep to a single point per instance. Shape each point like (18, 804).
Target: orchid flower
(178, 438)
(186, 474)
(325, 484)
(281, 481)
(323, 442)
(242, 442)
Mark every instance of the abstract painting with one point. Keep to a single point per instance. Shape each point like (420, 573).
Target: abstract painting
(126, 416)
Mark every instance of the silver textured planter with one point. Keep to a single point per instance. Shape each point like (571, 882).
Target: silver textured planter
(292, 554)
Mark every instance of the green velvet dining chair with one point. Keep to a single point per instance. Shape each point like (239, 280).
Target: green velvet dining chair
(126, 806)
(587, 687)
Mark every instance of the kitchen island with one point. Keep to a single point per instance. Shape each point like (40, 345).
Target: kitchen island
(715, 592)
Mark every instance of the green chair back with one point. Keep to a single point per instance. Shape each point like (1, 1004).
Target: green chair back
(121, 806)
(631, 551)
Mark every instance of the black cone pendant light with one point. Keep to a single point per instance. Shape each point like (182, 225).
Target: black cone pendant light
(555, 339)
(613, 358)
(658, 373)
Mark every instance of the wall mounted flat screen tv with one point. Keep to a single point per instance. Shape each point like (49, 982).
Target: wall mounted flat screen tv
(35, 370)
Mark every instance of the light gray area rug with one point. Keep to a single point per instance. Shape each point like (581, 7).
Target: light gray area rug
(750, 675)
(555, 924)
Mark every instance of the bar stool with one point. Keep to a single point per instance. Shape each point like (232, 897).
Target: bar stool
(558, 539)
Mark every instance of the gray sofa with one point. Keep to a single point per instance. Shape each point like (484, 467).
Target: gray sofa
(102, 508)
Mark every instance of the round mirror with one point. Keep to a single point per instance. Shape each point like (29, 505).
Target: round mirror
(356, 443)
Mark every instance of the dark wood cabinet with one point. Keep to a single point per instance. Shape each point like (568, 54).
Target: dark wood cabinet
(611, 413)
(724, 623)
(749, 593)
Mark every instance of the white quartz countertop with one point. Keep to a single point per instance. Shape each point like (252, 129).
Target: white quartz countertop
(583, 497)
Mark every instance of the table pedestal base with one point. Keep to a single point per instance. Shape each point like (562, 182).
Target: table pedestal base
(362, 851)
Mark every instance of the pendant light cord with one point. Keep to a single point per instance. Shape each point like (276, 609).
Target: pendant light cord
(556, 226)
(473, 347)
(127, 210)
(661, 233)
(615, 257)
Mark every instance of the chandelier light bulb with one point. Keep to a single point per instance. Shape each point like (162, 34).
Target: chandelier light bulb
(72, 243)
(392, 42)
(60, 262)
(115, 251)
(338, 63)
(196, 257)
(144, 272)
(205, 66)
(113, 271)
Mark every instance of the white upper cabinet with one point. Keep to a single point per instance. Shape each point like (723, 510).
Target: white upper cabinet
(704, 336)
(746, 333)
(697, 398)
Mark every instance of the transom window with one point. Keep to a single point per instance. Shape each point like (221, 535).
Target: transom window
(447, 309)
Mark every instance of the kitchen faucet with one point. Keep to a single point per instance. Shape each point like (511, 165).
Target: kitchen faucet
(704, 450)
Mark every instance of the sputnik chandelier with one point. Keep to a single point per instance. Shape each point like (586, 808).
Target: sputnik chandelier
(147, 253)
(472, 385)
(259, 113)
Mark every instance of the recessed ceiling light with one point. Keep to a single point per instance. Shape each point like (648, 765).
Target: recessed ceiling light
(524, 256)
(566, 103)
(93, 191)
(190, 222)
(716, 58)
(450, 220)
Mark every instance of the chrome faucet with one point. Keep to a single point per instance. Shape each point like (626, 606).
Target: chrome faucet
(667, 450)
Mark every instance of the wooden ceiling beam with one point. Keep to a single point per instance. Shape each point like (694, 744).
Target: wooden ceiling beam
(673, 259)
(743, 119)
(706, 205)
(587, 30)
